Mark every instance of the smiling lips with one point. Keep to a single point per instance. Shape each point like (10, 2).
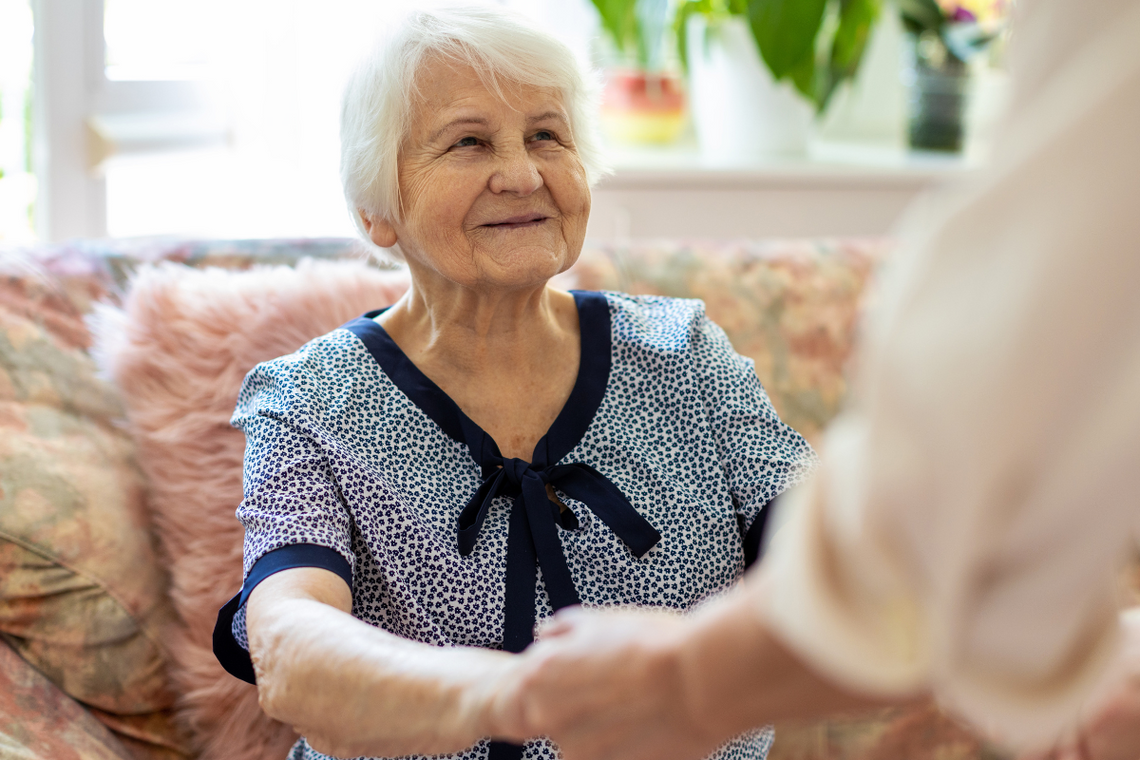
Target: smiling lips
(518, 222)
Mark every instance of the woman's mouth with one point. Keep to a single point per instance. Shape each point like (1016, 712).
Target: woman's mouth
(518, 222)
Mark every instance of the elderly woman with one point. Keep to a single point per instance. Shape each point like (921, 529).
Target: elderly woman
(425, 483)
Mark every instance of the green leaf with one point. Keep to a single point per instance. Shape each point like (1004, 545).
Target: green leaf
(680, 28)
(815, 44)
(619, 19)
(785, 32)
(856, 18)
(921, 15)
(712, 10)
(803, 76)
(637, 28)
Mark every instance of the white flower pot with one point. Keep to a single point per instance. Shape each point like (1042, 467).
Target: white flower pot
(740, 113)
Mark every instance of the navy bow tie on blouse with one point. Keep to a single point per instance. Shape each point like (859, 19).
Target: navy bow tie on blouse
(532, 535)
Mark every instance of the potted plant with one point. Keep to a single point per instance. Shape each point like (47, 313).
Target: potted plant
(759, 68)
(643, 102)
(943, 36)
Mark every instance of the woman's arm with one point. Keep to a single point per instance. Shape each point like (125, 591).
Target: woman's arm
(352, 689)
(652, 685)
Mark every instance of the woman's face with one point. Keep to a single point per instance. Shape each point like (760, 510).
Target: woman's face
(493, 193)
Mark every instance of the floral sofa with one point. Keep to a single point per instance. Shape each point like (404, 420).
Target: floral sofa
(119, 364)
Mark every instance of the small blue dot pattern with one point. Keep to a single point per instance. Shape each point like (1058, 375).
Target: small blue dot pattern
(339, 457)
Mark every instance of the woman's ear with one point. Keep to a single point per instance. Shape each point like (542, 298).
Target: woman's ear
(381, 231)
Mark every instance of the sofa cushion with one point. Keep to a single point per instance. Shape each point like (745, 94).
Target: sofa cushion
(82, 594)
(178, 350)
(39, 722)
(789, 305)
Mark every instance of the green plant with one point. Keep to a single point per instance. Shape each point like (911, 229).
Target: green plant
(637, 29)
(815, 44)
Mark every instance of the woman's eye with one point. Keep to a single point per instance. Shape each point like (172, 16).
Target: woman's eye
(467, 142)
(543, 135)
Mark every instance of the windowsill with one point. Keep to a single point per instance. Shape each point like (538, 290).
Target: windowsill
(826, 164)
(836, 190)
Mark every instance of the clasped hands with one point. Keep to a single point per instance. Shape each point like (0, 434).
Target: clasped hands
(611, 684)
(634, 685)
(604, 685)
(639, 684)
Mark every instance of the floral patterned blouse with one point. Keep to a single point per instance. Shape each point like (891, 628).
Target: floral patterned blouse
(666, 454)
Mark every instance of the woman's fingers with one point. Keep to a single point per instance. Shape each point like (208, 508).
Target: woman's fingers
(607, 684)
(559, 624)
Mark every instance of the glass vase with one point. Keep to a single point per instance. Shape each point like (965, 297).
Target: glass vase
(937, 84)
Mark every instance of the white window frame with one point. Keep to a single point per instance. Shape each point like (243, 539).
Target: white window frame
(80, 118)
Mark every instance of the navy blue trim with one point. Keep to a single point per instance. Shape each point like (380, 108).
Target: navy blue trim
(568, 427)
(754, 537)
(505, 751)
(407, 376)
(590, 386)
(532, 535)
(230, 654)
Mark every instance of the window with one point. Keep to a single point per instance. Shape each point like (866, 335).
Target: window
(218, 118)
(17, 182)
(203, 117)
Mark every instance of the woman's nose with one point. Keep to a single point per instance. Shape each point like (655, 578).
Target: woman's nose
(516, 173)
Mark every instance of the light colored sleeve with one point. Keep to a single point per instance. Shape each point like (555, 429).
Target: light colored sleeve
(974, 503)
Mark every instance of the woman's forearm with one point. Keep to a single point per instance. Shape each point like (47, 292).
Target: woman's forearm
(353, 689)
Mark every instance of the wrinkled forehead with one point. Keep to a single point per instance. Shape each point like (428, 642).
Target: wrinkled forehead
(445, 83)
(441, 76)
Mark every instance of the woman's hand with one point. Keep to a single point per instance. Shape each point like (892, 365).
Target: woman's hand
(652, 685)
(352, 689)
(606, 684)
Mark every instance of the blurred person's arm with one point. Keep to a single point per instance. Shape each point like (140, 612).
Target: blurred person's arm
(975, 503)
(638, 684)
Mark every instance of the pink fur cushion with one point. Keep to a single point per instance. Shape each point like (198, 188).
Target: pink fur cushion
(178, 350)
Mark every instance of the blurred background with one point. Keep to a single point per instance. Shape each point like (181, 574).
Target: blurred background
(724, 118)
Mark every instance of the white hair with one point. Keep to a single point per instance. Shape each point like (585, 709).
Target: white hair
(380, 95)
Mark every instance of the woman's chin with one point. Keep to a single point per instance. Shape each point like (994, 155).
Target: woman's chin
(522, 265)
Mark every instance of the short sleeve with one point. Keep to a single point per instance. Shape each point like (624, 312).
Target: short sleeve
(289, 493)
(761, 455)
(291, 509)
